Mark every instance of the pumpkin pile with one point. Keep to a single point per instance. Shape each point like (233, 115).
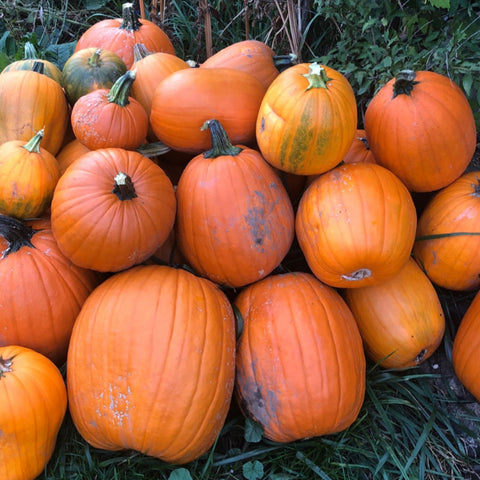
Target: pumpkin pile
(149, 214)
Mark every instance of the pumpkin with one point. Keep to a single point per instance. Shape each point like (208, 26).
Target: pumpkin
(30, 61)
(235, 221)
(401, 320)
(119, 35)
(356, 225)
(359, 150)
(151, 363)
(307, 119)
(151, 68)
(33, 402)
(29, 102)
(251, 56)
(69, 153)
(29, 175)
(466, 348)
(188, 98)
(110, 117)
(111, 209)
(90, 69)
(41, 291)
(421, 126)
(300, 366)
(448, 235)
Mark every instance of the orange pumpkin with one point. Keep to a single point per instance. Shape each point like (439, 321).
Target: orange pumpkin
(359, 150)
(300, 367)
(69, 153)
(119, 35)
(29, 175)
(356, 225)
(421, 126)
(448, 235)
(400, 320)
(188, 98)
(33, 402)
(111, 209)
(41, 291)
(151, 363)
(110, 117)
(29, 102)
(466, 349)
(307, 119)
(235, 221)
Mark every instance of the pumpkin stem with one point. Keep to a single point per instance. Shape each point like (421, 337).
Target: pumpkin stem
(120, 90)
(30, 52)
(94, 60)
(33, 145)
(316, 76)
(123, 187)
(130, 20)
(221, 144)
(5, 365)
(282, 62)
(358, 275)
(140, 51)
(404, 82)
(16, 233)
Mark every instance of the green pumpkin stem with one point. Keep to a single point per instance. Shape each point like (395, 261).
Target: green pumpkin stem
(30, 52)
(120, 90)
(95, 60)
(404, 82)
(33, 145)
(284, 61)
(140, 51)
(123, 187)
(130, 20)
(16, 233)
(221, 144)
(316, 76)
(5, 366)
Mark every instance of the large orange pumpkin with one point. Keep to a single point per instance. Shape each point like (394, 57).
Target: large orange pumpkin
(235, 221)
(300, 361)
(119, 35)
(151, 363)
(188, 98)
(466, 349)
(111, 209)
(401, 320)
(421, 126)
(356, 225)
(33, 402)
(448, 235)
(41, 292)
(307, 119)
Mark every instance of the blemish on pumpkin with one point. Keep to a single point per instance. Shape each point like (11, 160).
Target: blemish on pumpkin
(262, 125)
(421, 356)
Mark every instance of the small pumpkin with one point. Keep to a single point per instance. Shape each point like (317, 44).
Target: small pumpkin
(90, 69)
(69, 153)
(235, 221)
(401, 320)
(29, 174)
(356, 225)
(41, 291)
(300, 366)
(119, 35)
(33, 402)
(447, 245)
(110, 117)
(421, 126)
(359, 150)
(111, 209)
(151, 364)
(307, 119)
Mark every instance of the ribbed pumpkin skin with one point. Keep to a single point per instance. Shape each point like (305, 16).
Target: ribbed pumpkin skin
(151, 364)
(69, 153)
(300, 367)
(452, 261)
(41, 294)
(49, 68)
(235, 221)
(186, 99)
(466, 349)
(33, 402)
(97, 229)
(30, 101)
(427, 137)
(251, 56)
(306, 131)
(356, 225)
(359, 150)
(401, 320)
